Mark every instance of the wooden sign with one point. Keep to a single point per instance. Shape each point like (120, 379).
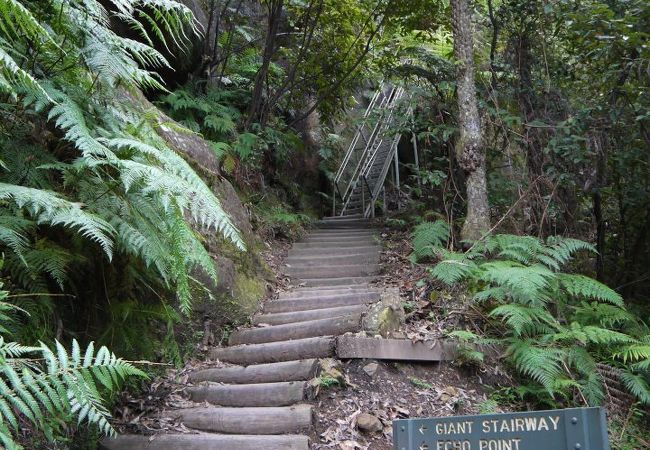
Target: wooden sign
(559, 429)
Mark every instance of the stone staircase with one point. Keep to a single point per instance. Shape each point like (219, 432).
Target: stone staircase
(260, 401)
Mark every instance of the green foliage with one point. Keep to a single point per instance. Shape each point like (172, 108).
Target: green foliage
(45, 387)
(327, 381)
(420, 383)
(88, 186)
(426, 237)
(557, 327)
(278, 220)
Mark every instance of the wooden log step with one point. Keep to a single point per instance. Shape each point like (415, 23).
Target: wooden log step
(365, 239)
(319, 347)
(330, 247)
(325, 271)
(302, 316)
(300, 330)
(297, 250)
(324, 291)
(394, 349)
(326, 218)
(206, 441)
(310, 261)
(260, 394)
(260, 373)
(336, 281)
(343, 232)
(310, 303)
(271, 420)
(351, 219)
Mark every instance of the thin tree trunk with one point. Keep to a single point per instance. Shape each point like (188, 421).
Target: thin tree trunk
(469, 149)
(275, 15)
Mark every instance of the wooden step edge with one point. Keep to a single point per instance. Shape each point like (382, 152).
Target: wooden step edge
(300, 370)
(336, 281)
(307, 304)
(205, 441)
(306, 315)
(282, 393)
(300, 330)
(247, 420)
(359, 347)
(318, 347)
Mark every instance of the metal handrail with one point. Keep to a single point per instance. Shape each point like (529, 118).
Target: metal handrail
(355, 139)
(358, 162)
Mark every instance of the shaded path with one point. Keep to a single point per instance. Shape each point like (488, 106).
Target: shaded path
(259, 403)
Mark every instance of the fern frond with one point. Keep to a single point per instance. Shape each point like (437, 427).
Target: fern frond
(543, 364)
(637, 384)
(604, 314)
(634, 352)
(525, 319)
(427, 236)
(50, 208)
(526, 284)
(590, 334)
(562, 249)
(16, 78)
(65, 386)
(582, 287)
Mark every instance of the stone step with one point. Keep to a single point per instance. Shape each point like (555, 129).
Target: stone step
(302, 316)
(247, 420)
(318, 347)
(336, 281)
(311, 261)
(312, 303)
(281, 393)
(312, 328)
(260, 373)
(332, 271)
(327, 251)
(206, 441)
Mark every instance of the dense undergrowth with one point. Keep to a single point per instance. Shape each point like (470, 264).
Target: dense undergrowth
(567, 335)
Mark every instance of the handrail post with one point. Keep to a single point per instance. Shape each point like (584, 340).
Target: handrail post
(333, 199)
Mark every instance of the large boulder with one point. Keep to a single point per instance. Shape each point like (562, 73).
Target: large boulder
(242, 275)
(386, 317)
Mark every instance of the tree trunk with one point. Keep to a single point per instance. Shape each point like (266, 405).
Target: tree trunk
(469, 149)
(255, 109)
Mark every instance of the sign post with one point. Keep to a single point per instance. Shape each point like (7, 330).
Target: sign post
(560, 429)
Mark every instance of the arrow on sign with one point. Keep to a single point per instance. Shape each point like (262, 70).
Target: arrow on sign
(424, 446)
(422, 429)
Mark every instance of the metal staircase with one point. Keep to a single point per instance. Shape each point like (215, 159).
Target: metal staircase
(360, 179)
